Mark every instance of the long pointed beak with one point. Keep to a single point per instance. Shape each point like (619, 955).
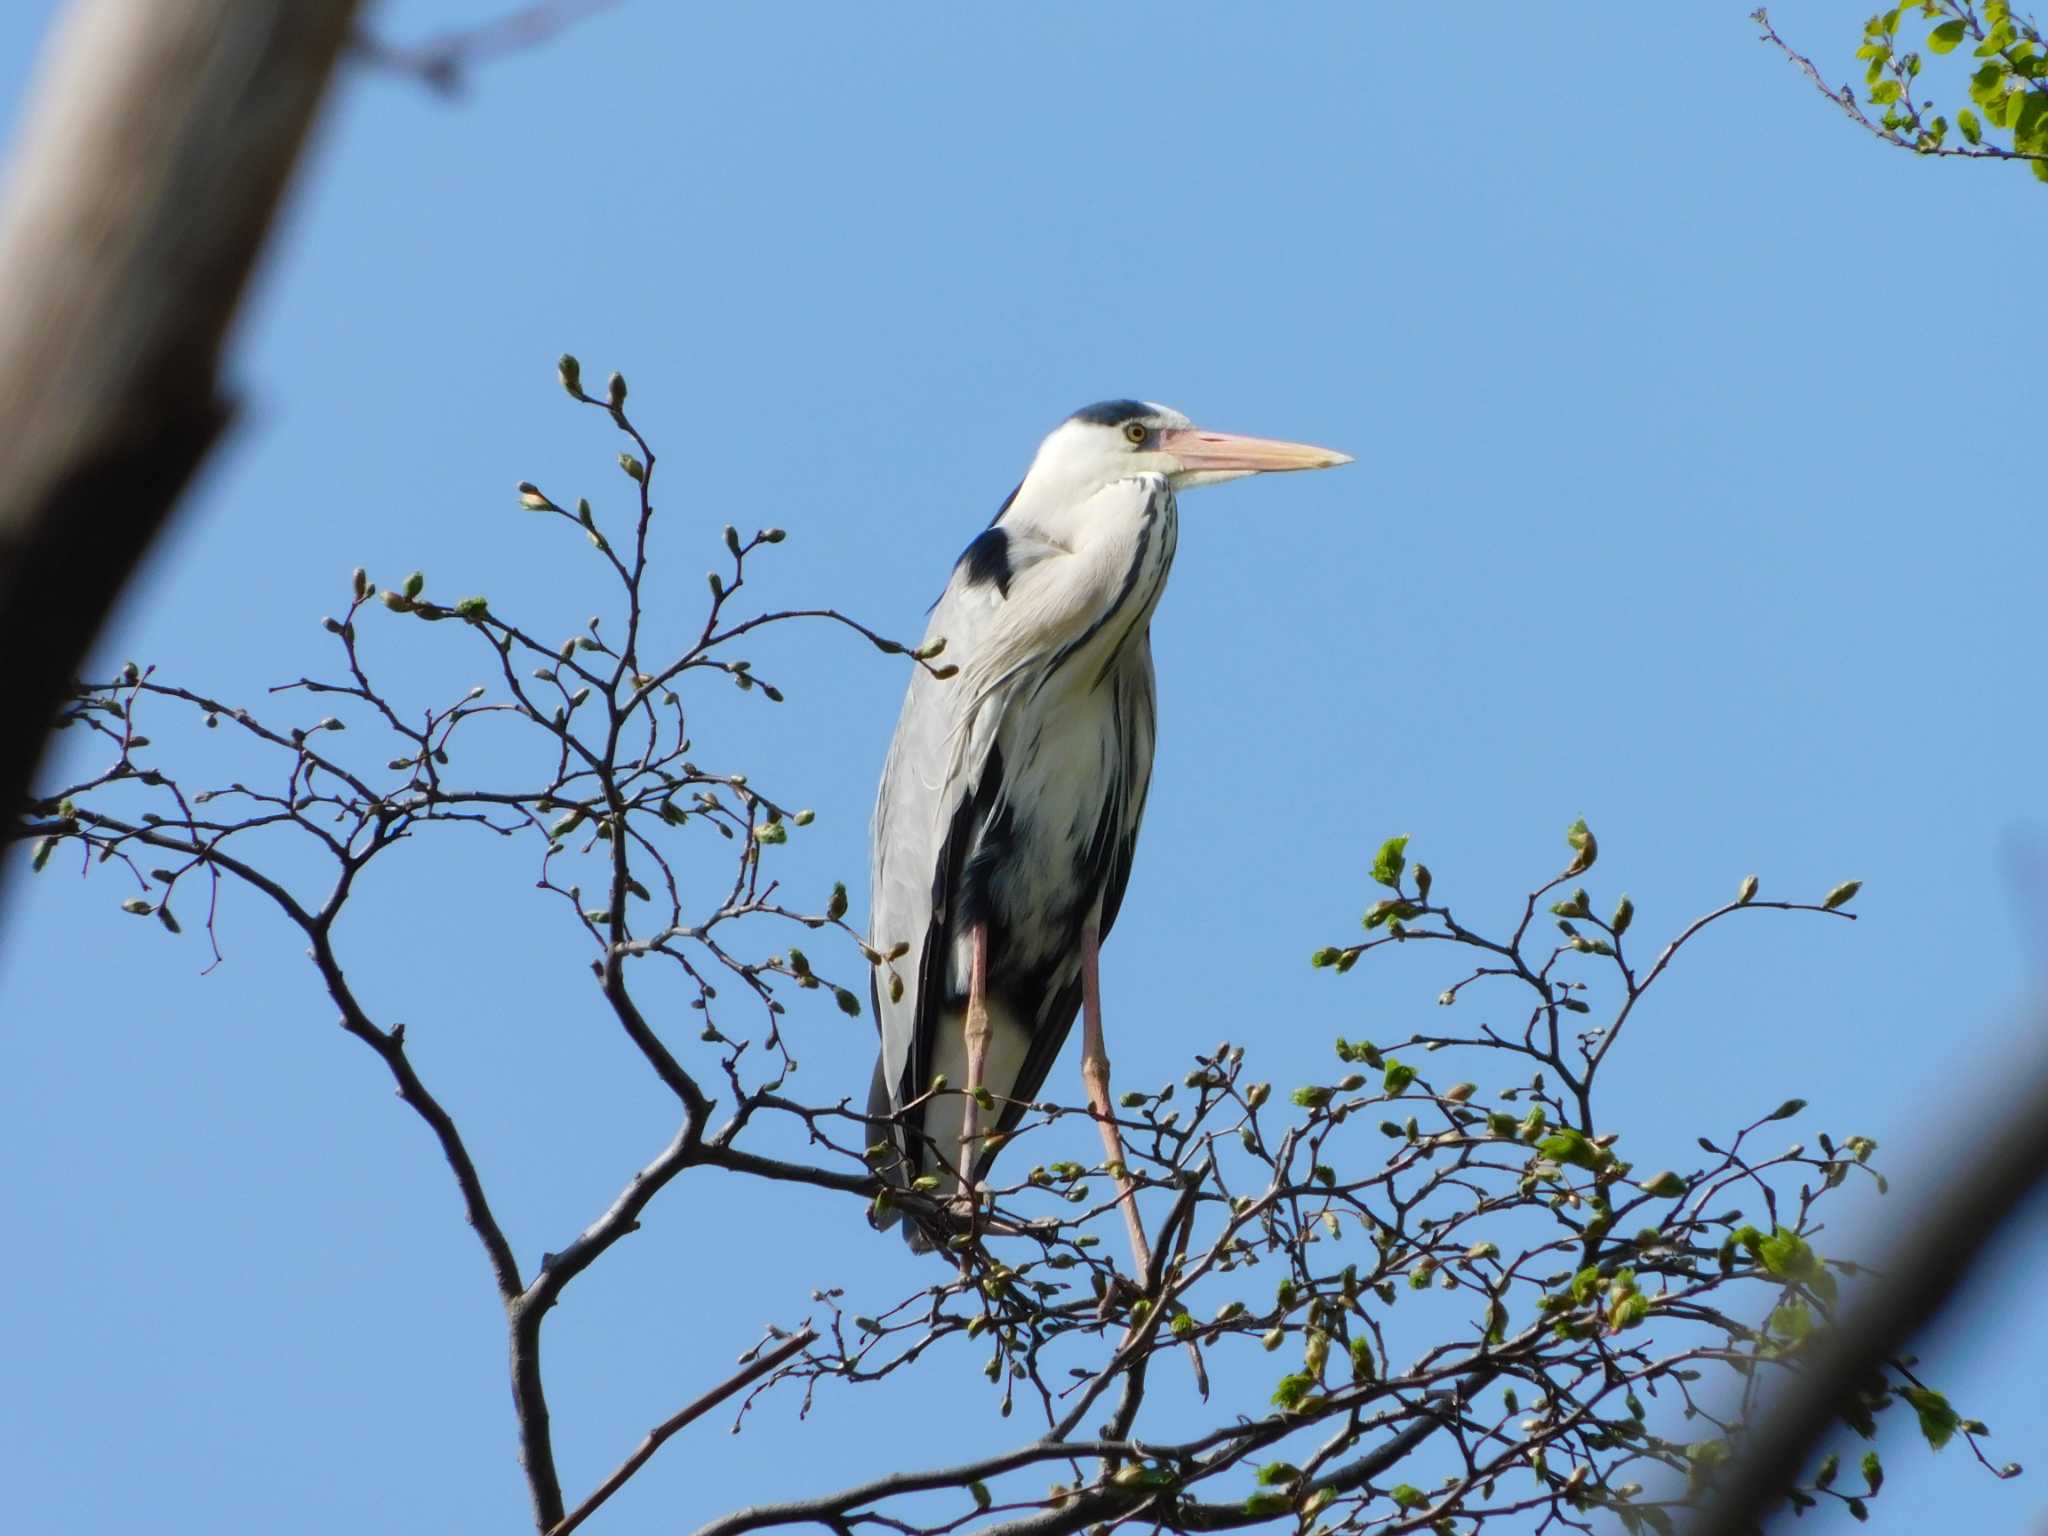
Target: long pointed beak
(1199, 449)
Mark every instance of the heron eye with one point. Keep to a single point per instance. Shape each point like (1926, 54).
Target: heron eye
(1134, 431)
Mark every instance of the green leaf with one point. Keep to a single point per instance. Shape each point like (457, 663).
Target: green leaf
(1884, 93)
(1786, 1255)
(1703, 1459)
(1581, 839)
(1399, 1075)
(1938, 1421)
(1793, 1321)
(1873, 1471)
(1628, 1311)
(1566, 1145)
(1972, 129)
(1407, 1495)
(1387, 867)
(1273, 1473)
(2030, 124)
(1944, 38)
(1292, 1390)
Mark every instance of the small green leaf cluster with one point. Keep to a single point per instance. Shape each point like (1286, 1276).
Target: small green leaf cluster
(2007, 87)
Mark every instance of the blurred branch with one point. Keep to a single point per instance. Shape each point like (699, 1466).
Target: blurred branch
(1953, 1228)
(148, 170)
(442, 63)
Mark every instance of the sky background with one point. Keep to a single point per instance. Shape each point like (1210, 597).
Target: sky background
(1698, 493)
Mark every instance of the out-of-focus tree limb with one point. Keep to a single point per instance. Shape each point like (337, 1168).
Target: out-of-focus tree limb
(148, 170)
(1952, 1229)
(442, 63)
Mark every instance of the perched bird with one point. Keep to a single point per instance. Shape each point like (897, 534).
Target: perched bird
(1010, 802)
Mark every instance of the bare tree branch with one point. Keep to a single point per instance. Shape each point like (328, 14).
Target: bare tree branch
(795, 1344)
(442, 63)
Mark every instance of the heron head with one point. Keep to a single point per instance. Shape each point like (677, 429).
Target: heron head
(1119, 438)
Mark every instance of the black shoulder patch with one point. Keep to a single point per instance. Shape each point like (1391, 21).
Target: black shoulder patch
(1109, 413)
(987, 559)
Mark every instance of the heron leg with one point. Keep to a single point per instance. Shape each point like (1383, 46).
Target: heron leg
(1095, 1074)
(977, 1032)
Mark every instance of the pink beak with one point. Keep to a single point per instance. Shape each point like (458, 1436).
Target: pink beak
(1200, 449)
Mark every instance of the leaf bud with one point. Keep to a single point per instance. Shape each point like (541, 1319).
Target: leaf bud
(359, 583)
(415, 583)
(571, 373)
(1841, 894)
(1747, 893)
(615, 391)
(1580, 837)
(732, 539)
(635, 470)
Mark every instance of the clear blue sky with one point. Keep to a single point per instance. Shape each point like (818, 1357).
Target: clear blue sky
(1692, 496)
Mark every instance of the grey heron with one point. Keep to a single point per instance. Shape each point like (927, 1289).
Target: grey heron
(1009, 805)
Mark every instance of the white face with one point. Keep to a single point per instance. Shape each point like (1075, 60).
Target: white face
(1097, 448)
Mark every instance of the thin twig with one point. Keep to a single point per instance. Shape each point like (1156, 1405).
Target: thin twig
(794, 1344)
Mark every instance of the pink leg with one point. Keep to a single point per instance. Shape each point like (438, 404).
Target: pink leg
(977, 1032)
(1095, 1074)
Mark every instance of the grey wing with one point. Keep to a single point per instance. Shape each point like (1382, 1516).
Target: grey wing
(924, 812)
